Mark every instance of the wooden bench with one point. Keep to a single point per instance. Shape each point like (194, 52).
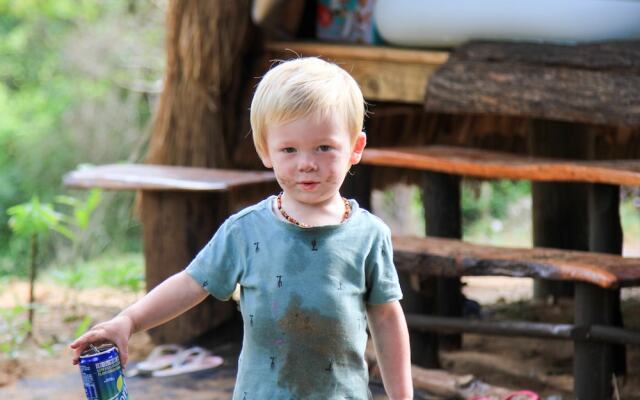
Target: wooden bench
(500, 165)
(444, 165)
(173, 231)
(596, 276)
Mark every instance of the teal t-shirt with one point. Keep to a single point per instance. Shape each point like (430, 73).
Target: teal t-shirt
(303, 299)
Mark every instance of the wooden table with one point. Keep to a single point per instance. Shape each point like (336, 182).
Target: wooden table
(172, 233)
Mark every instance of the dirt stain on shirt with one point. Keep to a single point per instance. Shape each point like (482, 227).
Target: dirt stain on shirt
(311, 350)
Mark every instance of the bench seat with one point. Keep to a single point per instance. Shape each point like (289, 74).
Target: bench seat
(596, 276)
(455, 258)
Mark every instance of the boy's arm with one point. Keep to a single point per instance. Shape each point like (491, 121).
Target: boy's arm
(391, 341)
(172, 297)
(166, 301)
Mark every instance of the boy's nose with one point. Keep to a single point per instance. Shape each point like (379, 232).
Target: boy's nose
(307, 164)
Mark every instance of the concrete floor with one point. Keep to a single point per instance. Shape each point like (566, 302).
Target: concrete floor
(214, 384)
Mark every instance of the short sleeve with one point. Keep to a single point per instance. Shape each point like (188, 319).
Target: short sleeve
(382, 279)
(218, 266)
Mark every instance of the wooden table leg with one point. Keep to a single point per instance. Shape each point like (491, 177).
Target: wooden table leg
(176, 225)
(593, 361)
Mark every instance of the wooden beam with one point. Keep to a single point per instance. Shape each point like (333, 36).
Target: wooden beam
(499, 165)
(540, 82)
(543, 330)
(383, 73)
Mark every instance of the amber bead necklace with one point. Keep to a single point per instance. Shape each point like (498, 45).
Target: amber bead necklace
(345, 216)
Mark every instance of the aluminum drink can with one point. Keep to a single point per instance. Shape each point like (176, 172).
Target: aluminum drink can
(102, 374)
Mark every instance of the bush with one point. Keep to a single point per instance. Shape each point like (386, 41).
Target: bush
(77, 85)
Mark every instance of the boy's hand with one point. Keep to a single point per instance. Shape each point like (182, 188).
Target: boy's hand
(116, 331)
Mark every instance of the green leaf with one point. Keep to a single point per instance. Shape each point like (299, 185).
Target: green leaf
(83, 326)
(67, 200)
(84, 210)
(34, 218)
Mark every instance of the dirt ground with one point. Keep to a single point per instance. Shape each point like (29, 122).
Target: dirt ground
(43, 370)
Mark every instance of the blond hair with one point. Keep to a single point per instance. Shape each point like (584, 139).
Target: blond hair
(301, 88)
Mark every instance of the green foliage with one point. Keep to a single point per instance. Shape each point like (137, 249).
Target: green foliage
(14, 329)
(82, 210)
(630, 218)
(125, 271)
(35, 218)
(31, 220)
(74, 88)
(490, 198)
(497, 212)
(83, 326)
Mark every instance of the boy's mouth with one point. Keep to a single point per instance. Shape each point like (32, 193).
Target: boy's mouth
(308, 185)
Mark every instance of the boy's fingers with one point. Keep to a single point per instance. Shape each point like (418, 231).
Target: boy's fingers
(84, 339)
(124, 358)
(123, 351)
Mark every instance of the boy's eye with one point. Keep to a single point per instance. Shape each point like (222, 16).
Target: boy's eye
(324, 148)
(289, 150)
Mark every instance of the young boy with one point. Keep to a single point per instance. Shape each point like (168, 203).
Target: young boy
(313, 267)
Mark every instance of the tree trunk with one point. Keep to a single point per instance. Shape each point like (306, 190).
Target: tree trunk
(197, 116)
(196, 124)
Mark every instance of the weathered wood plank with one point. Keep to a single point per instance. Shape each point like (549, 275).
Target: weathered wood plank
(617, 55)
(384, 73)
(534, 91)
(500, 165)
(453, 258)
(163, 177)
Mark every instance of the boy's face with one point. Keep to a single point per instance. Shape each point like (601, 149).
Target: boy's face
(310, 157)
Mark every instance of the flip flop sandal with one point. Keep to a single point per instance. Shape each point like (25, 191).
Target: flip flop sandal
(519, 395)
(523, 395)
(193, 359)
(160, 357)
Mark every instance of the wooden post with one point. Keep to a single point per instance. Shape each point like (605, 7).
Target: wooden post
(605, 236)
(560, 209)
(593, 361)
(195, 124)
(441, 196)
(424, 345)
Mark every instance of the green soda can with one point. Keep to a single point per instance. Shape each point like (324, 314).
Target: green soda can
(102, 374)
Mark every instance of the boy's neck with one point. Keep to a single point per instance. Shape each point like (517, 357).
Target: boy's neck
(328, 212)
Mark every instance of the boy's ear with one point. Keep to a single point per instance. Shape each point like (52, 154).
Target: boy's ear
(358, 148)
(266, 160)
